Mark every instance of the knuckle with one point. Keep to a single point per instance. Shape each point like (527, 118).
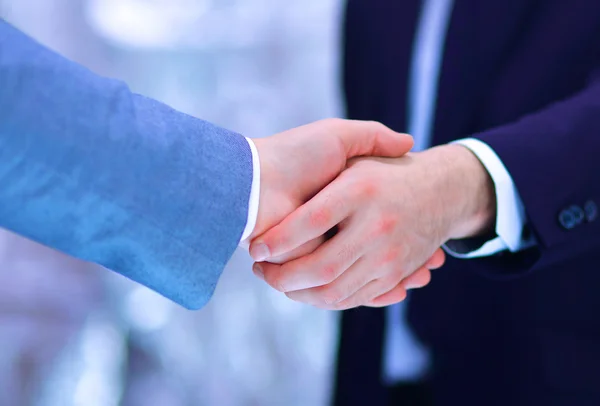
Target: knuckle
(377, 129)
(389, 224)
(366, 189)
(386, 225)
(376, 125)
(328, 273)
(319, 217)
(278, 237)
(391, 256)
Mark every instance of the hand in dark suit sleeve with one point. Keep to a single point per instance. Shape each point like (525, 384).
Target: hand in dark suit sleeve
(552, 156)
(393, 213)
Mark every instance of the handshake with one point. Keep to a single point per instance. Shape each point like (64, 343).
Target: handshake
(348, 217)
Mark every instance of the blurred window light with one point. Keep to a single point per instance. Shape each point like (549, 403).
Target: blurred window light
(147, 310)
(169, 24)
(102, 351)
(145, 23)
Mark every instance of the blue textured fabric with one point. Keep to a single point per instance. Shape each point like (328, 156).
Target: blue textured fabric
(108, 176)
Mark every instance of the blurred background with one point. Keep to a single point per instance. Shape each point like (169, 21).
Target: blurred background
(72, 334)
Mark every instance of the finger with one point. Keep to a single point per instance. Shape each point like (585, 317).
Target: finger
(370, 138)
(437, 260)
(311, 220)
(319, 268)
(347, 284)
(367, 294)
(419, 279)
(396, 295)
(299, 252)
(362, 297)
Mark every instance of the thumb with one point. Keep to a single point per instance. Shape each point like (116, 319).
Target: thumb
(370, 138)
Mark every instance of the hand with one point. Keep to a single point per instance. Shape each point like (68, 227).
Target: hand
(392, 215)
(298, 163)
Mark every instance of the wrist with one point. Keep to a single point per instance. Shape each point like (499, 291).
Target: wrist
(469, 194)
(273, 203)
(265, 181)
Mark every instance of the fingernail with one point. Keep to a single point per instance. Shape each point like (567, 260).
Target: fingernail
(411, 286)
(257, 269)
(260, 252)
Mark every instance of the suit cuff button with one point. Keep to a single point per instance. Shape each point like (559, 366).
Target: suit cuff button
(567, 219)
(591, 211)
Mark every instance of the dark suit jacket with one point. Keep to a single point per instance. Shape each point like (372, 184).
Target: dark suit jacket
(521, 75)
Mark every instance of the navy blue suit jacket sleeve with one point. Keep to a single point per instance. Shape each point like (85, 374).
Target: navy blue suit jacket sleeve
(108, 176)
(553, 157)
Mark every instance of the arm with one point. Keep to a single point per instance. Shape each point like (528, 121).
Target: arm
(510, 218)
(552, 156)
(393, 213)
(108, 176)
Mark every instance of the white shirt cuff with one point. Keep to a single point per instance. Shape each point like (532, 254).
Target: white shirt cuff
(510, 211)
(254, 197)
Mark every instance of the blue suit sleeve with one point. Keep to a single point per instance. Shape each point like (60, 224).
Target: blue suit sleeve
(91, 169)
